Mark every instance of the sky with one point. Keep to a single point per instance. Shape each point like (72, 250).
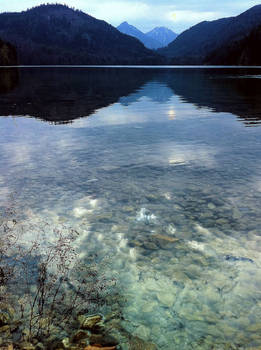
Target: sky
(177, 15)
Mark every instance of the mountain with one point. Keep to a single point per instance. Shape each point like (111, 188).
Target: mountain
(57, 34)
(8, 56)
(147, 41)
(197, 43)
(162, 35)
(155, 39)
(244, 52)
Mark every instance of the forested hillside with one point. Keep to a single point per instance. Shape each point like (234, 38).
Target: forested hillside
(57, 34)
(8, 55)
(197, 44)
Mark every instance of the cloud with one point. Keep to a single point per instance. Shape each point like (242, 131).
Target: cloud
(146, 14)
(190, 16)
(117, 11)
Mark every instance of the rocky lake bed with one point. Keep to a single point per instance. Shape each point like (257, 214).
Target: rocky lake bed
(137, 227)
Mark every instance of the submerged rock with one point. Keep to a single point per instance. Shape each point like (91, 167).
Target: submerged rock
(89, 322)
(167, 299)
(236, 258)
(79, 335)
(5, 329)
(150, 245)
(103, 340)
(148, 307)
(142, 332)
(135, 343)
(165, 238)
(164, 241)
(27, 346)
(4, 318)
(66, 343)
(97, 347)
(256, 328)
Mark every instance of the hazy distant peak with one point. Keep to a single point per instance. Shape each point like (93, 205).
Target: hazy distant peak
(163, 35)
(156, 38)
(129, 29)
(161, 28)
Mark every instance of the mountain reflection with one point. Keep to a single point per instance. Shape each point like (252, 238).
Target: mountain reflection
(60, 95)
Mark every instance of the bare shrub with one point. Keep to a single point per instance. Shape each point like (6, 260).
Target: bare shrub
(46, 283)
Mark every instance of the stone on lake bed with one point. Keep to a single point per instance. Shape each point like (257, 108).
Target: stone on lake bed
(103, 340)
(150, 245)
(165, 238)
(142, 332)
(152, 284)
(26, 346)
(5, 329)
(66, 342)
(104, 217)
(136, 343)
(11, 224)
(128, 209)
(166, 299)
(211, 206)
(79, 335)
(148, 307)
(4, 318)
(89, 322)
(164, 241)
(254, 328)
(98, 347)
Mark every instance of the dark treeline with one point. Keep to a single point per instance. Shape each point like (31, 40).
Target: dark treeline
(57, 34)
(242, 52)
(8, 54)
(208, 41)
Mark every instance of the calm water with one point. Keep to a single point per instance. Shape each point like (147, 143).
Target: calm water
(159, 171)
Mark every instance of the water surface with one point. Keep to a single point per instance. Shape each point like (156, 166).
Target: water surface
(160, 173)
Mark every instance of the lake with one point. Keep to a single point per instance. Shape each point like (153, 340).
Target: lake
(159, 172)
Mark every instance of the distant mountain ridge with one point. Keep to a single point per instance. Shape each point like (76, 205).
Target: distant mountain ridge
(57, 34)
(148, 42)
(195, 45)
(154, 39)
(163, 35)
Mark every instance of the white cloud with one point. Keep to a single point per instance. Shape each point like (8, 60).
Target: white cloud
(118, 11)
(193, 16)
(146, 14)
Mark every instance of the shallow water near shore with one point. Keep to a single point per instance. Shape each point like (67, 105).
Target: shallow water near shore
(159, 172)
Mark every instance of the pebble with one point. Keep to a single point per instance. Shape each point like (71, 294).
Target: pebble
(79, 335)
(26, 346)
(4, 318)
(211, 206)
(142, 332)
(148, 307)
(167, 299)
(150, 246)
(255, 328)
(135, 343)
(89, 322)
